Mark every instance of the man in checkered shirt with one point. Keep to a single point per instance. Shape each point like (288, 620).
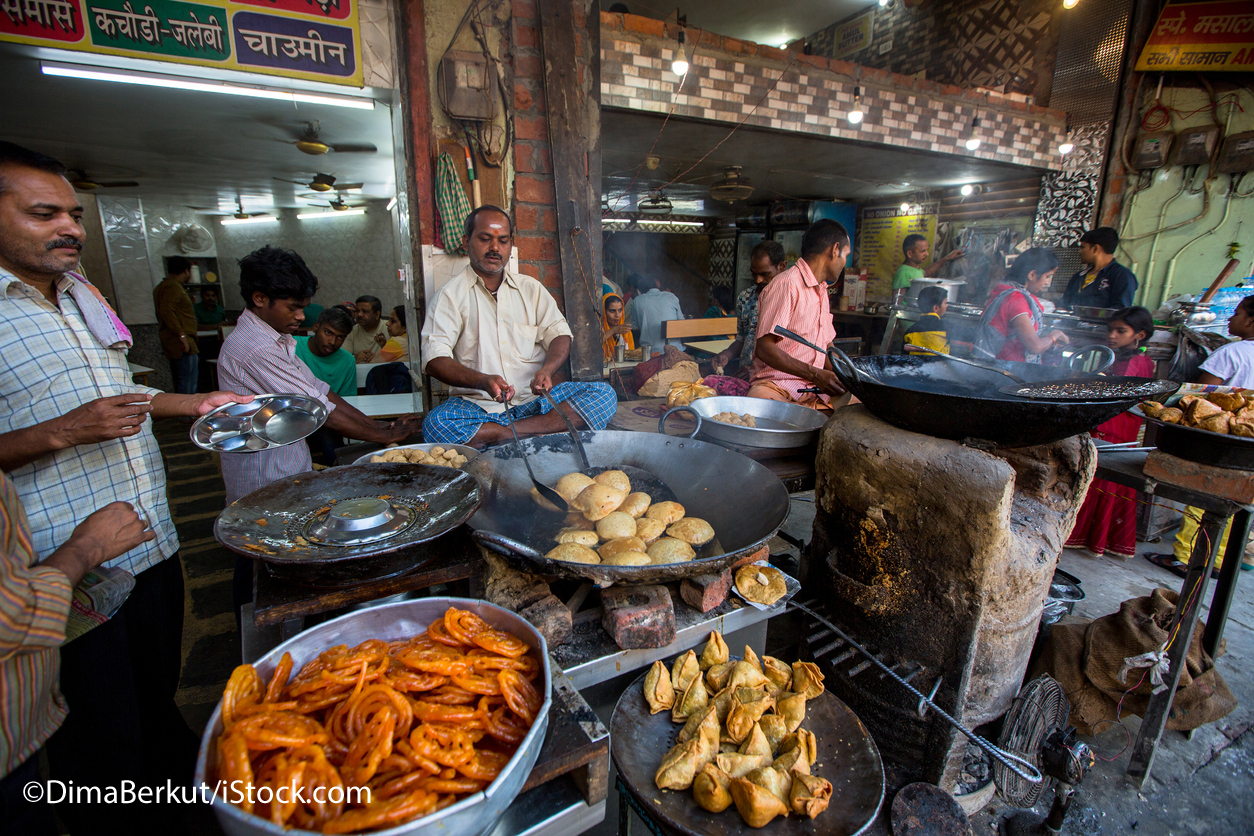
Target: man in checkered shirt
(74, 437)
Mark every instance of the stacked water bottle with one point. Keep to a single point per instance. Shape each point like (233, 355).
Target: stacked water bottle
(1224, 304)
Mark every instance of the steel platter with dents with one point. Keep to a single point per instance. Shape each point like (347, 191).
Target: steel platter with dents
(847, 756)
(743, 501)
(317, 524)
(779, 425)
(264, 423)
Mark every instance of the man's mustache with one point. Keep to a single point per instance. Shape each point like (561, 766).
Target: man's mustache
(64, 242)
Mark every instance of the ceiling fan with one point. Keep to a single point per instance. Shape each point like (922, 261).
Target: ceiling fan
(310, 143)
(732, 187)
(655, 204)
(337, 203)
(81, 181)
(323, 183)
(239, 213)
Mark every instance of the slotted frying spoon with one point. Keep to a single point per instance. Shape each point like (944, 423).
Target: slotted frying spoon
(545, 491)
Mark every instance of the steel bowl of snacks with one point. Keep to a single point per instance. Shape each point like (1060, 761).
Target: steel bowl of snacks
(751, 422)
(445, 455)
(378, 758)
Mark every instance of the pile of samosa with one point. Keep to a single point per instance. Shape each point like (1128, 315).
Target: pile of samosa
(742, 741)
(1226, 413)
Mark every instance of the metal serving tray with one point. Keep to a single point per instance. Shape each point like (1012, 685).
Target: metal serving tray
(266, 422)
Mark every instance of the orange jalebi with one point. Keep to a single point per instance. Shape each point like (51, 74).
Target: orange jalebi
(413, 725)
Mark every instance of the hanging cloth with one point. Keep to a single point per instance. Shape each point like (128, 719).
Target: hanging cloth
(452, 203)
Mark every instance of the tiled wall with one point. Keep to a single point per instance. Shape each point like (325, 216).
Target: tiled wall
(351, 256)
(734, 81)
(971, 43)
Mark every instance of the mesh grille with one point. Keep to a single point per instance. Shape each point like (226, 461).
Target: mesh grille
(1090, 57)
(1068, 265)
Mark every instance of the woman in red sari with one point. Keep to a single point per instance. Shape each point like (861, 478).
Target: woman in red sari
(1107, 521)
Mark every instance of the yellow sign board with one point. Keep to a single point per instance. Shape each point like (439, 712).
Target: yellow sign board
(318, 40)
(854, 35)
(1201, 37)
(882, 232)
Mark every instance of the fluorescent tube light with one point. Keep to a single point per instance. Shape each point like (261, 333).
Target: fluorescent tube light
(391, 205)
(174, 82)
(343, 213)
(257, 220)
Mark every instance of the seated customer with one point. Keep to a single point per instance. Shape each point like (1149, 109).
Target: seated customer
(489, 334)
(765, 263)
(613, 329)
(929, 331)
(209, 310)
(797, 299)
(396, 347)
(322, 352)
(369, 334)
(650, 309)
(722, 302)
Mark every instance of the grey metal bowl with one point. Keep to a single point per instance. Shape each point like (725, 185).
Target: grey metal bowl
(264, 423)
(779, 424)
(468, 452)
(472, 815)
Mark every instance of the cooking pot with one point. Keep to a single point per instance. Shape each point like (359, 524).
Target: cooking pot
(743, 501)
(950, 285)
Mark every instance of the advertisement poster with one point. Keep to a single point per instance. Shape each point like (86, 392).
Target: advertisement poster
(854, 36)
(307, 39)
(1201, 37)
(883, 231)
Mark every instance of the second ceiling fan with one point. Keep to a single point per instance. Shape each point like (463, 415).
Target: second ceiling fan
(323, 183)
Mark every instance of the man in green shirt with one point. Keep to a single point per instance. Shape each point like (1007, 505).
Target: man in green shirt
(916, 251)
(321, 351)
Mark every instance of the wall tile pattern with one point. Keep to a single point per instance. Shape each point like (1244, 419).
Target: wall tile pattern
(350, 256)
(789, 91)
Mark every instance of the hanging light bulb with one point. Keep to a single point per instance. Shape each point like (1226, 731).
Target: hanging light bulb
(973, 141)
(1068, 144)
(856, 114)
(1070, 4)
(680, 65)
(967, 190)
(905, 208)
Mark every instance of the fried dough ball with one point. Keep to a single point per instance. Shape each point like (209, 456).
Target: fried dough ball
(692, 530)
(622, 544)
(574, 553)
(578, 536)
(636, 504)
(670, 550)
(649, 530)
(571, 484)
(627, 559)
(667, 512)
(615, 479)
(598, 501)
(616, 524)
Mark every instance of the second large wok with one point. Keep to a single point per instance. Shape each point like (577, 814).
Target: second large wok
(933, 396)
(744, 502)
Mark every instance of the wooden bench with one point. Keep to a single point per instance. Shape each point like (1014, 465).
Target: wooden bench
(686, 329)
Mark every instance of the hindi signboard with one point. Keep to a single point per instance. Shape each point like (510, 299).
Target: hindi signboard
(1201, 37)
(318, 40)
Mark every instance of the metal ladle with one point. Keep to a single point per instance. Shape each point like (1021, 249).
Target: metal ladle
(1010, 375)
(545, 491)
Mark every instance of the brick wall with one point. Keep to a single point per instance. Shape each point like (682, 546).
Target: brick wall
(733, 81)
(534, 201)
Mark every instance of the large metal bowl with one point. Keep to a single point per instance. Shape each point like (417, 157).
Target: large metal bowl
(780, 425)
(474, 814)
(468, 452)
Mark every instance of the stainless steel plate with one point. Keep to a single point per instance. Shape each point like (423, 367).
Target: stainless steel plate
(266, 422)
(779, 424)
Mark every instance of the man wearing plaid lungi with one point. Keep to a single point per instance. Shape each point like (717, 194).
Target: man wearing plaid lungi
(497, 339)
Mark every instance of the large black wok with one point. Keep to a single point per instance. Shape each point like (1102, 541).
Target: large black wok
(933, 396)
(744, 502)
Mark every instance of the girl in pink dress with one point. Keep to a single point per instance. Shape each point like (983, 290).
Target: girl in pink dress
(1107, 521)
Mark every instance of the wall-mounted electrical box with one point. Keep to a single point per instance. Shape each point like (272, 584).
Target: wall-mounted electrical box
(1151, 150)
(466, 80)
(1195, 146)
(1237, 154)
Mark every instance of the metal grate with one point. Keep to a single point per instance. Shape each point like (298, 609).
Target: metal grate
(1068, 265)
(1091, 49)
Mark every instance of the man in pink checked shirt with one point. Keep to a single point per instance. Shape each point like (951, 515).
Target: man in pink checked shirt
(797, 299)
(259, 357)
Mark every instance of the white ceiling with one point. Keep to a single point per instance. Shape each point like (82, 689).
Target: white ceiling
(197, 149)
(773, 23)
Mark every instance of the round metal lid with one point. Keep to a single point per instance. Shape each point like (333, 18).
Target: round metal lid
(352, 522)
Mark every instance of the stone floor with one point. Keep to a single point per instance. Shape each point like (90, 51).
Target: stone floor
(1200, 785)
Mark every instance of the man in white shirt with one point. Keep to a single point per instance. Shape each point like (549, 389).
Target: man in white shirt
(490, 335)
(650, 309)
(370, 333)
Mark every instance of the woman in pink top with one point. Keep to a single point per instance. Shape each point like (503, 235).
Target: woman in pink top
(1010, 328)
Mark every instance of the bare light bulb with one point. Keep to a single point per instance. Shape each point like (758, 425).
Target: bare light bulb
(1070, 4)
(1066, 146)
(973, 141)
(905, 208)
(680, 65)
(968, 190)
(856, 114)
